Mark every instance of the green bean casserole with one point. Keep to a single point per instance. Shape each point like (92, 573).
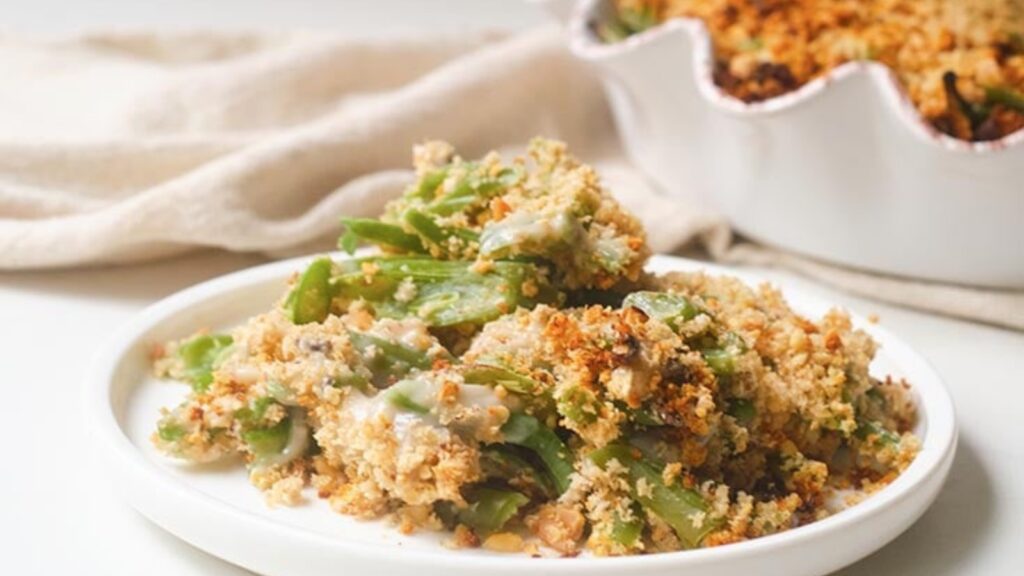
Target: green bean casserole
(500, 367)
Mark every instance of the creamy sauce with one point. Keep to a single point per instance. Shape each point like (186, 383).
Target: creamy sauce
(525, 228)
(362, 408)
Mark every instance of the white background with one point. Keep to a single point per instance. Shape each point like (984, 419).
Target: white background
(59, 516)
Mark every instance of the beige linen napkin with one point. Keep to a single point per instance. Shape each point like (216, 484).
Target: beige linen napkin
(128, 147)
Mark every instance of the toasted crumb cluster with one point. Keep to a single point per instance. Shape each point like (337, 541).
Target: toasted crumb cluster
(961, 63)
(621, 414)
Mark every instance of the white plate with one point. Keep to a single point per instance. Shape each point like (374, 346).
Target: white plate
(215, 508)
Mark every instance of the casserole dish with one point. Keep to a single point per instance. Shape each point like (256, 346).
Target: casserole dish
(842, 169)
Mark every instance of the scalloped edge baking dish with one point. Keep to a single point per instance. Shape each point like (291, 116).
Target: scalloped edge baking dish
(843, 169)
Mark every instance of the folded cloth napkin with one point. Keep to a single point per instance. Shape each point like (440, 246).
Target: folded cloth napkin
(119, 148)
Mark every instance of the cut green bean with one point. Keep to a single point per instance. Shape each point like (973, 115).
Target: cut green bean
(374, 231)
(310, 300)
(1006, 97)
(402, 401)
(490, 373)
(200, 356)
(264, 442)
(526, 431)
(352, 380)
(681, 508)
(873, 431)
(612, 32)
(170, 432)
(491, 508)
(387, 360)
(251, 416)
(625, 23)
(722, 357)
(672, 309)
(578, 404)
(638, 19)
(645, 416)
(743, 410)
(523, 233)
(503, 463)
(443, 293)
(279, 443)
(473, 189)
(627, 532)
(440, 236)
(281, 393)
(430, 182)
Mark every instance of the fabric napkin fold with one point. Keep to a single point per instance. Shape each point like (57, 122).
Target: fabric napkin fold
(118, 148)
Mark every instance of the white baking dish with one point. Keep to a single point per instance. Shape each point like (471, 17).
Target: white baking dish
(843, 169)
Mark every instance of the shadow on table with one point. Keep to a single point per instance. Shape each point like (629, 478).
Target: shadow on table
(140, 282)
(202, 562)
(948, 534)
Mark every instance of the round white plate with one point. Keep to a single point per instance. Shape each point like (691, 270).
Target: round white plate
(216, 509)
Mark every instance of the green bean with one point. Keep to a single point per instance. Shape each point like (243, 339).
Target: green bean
(310, 300)
(278, 443)
(491, 508)
(428, 184)
(526, 431)
(387, 360)
(675, 505)
(281, 393)
(464, 301)
(625, 23)
(612, 254)
(491, 373)
(722, 362)
(376, 232)
(627, 532)
(446, 293)
(1006, 97)
(637, 20)
(722, 357)
(436, 235)
(264, 442)
(170, 432)
(544, 236)
(578, 404)
(400, 395)
(612, 32)
(502, 462)
(679, 507)
(352, 380)
(252, 415)
(672, 309)
(200, 356)
(873, 431)
(474, 188)
(642, 416)
(743, 410)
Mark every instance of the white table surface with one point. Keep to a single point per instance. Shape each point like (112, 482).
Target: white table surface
(60, 516)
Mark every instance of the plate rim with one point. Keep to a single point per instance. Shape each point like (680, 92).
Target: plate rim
(938, 445)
